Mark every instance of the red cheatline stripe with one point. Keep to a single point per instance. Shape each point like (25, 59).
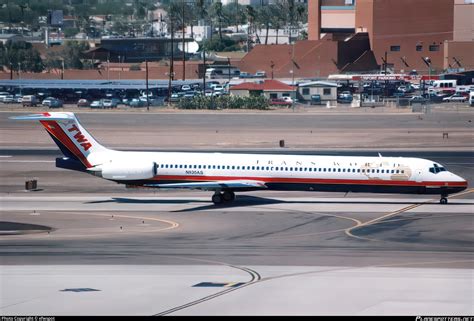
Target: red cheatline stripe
(310, 180)
(57, 132)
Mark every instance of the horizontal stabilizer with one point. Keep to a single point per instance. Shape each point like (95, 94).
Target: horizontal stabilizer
(46, 116)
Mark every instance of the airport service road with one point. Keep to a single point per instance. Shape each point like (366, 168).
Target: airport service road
(359, 129)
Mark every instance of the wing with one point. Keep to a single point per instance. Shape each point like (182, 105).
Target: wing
(235, 185)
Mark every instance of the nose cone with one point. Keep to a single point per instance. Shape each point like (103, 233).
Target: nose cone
(458, 181)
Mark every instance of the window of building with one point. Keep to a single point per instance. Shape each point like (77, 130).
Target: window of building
(326, 91)
(305, 91)
(273, 96)
(395, 48)
(419, 47)
(434, 47)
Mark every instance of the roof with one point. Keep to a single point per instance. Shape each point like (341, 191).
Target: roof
(318, 84)
(266, 85)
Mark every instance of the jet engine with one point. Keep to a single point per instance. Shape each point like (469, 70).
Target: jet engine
(123, 171)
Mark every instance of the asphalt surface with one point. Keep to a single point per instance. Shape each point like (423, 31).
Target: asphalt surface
(145, 251)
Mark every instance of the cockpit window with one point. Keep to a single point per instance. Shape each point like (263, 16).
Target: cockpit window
(437, 169)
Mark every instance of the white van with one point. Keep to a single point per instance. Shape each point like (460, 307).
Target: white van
(471, 98)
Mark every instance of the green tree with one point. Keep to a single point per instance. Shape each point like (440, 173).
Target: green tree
(72, 54)
(20, 55)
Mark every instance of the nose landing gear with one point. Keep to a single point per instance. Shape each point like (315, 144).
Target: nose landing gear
(224, 197)
(444, 199)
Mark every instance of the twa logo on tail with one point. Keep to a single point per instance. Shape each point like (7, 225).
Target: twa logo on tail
(79, 137)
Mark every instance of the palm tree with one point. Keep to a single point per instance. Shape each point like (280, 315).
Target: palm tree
(216, 10)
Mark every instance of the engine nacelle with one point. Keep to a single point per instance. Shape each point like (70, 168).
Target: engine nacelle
(128, 171)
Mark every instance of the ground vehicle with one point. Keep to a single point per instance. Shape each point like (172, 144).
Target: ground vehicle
(222, 72)
(17, 98)
(287, 99)
(455, 98)
(315, 100)
(136, 102)
(97, 104)
(83, 103)
(4, 94)
(29, 101)
(185, 87)
(52, 102)
(345, 97)
(279, 101)
(405, 89)
(8, 99)
(109, 103)
(417, 100)
(245, 75)
(218, 88)
(260, 74)
(471, 98)
(175, 97)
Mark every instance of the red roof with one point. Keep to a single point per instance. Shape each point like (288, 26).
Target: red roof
(266, 85)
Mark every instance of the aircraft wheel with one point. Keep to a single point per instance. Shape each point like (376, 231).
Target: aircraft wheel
(228, 196)
(217, 199)
(443, 200)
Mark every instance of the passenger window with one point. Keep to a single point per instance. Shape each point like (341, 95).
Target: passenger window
(286, 169)
(233, 167)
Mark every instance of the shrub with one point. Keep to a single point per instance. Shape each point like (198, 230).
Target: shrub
(224, 102)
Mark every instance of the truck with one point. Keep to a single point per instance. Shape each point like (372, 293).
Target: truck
(29, 101)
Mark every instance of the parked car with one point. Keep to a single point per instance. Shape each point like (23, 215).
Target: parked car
(405, 89)
(287, 99)
(417, 100)
(52, 102)
(136, 102)
(29, 101)
(17, 98)
(455, 98)
(83, 103)
(345, 97)
(185, 87)
(8, 99)
(218, 88)
(97, 104)
(471, 98)
(109, 103)
(279, 101)
(260, 74)
(4, 94)
(244, 75)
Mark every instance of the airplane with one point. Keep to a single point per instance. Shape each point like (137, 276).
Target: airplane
(228, 173)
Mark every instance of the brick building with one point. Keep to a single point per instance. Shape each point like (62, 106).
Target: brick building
(407, 30)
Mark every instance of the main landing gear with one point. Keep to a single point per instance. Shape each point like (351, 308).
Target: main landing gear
(444, 199)
(224, 197)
